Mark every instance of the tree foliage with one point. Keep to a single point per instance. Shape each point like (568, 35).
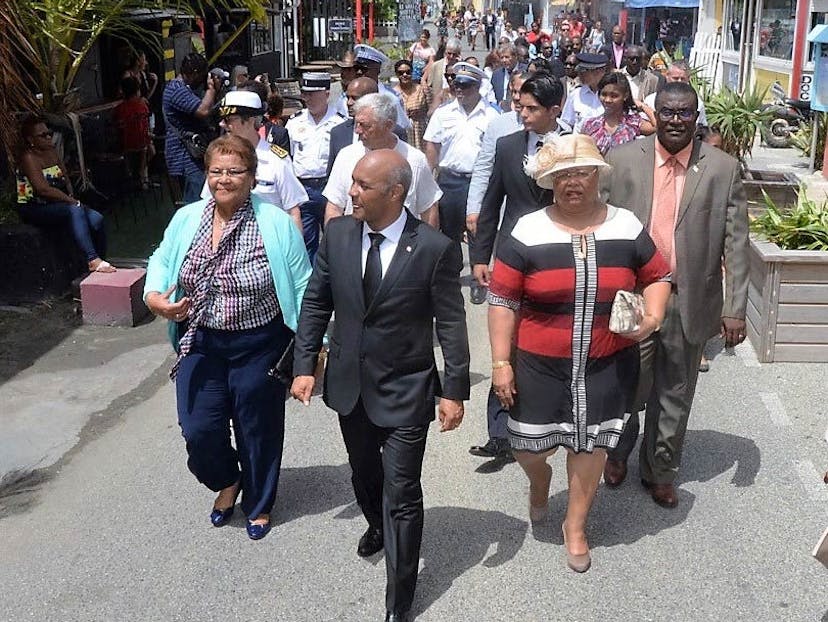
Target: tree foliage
(57, 35)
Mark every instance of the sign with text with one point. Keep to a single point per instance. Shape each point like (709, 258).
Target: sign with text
(340, 24)
(409, 24)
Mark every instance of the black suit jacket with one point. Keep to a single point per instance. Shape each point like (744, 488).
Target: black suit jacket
(384, 353)
(509, 181)
(500, 83)
(343, 135)
(608, 52)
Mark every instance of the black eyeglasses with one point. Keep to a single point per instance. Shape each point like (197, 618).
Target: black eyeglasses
(668, 114)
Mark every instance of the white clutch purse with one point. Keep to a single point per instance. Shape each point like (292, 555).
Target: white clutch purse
(627, 312)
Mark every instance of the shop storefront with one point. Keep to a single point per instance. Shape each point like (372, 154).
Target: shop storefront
(763, 42)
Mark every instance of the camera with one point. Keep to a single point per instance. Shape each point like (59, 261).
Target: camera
(221, 75)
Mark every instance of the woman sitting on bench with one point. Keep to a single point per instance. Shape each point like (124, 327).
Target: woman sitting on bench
(44, 194)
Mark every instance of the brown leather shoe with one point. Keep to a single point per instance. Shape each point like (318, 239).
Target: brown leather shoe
(663, 494)
(615, 472)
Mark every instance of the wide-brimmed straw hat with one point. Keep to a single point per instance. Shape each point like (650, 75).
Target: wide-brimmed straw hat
(559, 153)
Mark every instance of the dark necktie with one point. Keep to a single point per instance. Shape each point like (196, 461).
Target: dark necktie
(373, 268)
(538, 145)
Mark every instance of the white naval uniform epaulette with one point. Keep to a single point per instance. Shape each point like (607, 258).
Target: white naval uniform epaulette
(310, 142)
(276, 182)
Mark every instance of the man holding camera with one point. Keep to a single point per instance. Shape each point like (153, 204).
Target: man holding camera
(186, 114)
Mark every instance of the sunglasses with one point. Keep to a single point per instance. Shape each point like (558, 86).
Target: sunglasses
(668, 114)
(464, 85)
(403, 72)
(43, 135)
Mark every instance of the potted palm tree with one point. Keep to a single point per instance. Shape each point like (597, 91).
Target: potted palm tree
(739, 117)
(787, 313)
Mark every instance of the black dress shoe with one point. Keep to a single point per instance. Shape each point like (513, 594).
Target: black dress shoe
(489, 450)
(370, 542)
(397, 617)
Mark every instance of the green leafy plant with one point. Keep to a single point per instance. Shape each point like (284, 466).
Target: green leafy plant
(738, 117)
(801, 139)
(803, 226)
(57, 35)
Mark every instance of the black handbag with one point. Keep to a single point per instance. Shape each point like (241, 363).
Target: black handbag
(283, 370)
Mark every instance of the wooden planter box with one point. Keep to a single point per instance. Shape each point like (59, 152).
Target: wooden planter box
(787, 311)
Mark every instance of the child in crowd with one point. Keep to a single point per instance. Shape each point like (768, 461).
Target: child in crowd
(131, 117)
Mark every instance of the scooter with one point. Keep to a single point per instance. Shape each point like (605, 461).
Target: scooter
(788, 114)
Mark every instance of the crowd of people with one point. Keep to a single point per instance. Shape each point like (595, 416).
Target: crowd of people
(573, 173)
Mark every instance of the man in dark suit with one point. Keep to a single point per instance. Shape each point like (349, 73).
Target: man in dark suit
(691, 199)
(392, 281)
(540, 106)
(540, 103)
(614, 50)
(500, 76)
(343, 134)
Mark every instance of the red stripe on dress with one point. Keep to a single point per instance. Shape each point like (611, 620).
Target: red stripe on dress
(506, 281)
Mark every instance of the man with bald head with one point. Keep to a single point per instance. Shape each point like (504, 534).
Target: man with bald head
(345, 134)
(389, 277)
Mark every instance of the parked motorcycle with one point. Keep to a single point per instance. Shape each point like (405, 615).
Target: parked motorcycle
(788, 114)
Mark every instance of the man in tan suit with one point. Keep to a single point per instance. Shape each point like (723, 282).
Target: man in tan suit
(691, 199)
(434, 77)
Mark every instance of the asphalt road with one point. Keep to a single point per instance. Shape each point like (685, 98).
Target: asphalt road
(120, 531)
(117, 530)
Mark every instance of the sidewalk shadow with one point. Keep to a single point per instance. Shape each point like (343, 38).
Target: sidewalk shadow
(708, 454)
(331, 486)
(627, 514)
(456, 539)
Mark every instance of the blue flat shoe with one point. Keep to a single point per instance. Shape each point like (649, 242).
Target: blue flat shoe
(221, 517)
(257, 532)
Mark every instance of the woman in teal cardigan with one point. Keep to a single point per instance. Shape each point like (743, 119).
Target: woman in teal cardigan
(229, 276)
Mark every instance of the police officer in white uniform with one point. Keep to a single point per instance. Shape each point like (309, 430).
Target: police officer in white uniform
(375, 118)
(309, 131)
(241, 114)
(584, 102)
(453, 139)
(368, 63)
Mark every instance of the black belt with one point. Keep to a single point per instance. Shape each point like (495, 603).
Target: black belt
(313, 181)
(451, 173)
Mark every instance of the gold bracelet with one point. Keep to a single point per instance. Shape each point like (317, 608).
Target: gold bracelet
(501, 364)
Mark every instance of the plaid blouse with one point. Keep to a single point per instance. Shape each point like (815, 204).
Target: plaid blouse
(231, 288)
(627, 131)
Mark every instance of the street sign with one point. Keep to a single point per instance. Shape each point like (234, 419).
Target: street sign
(340, 24)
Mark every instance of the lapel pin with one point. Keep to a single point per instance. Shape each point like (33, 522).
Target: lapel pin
(407, 249)
(695, 168)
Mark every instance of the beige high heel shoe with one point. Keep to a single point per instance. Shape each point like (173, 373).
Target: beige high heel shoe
(578, 563)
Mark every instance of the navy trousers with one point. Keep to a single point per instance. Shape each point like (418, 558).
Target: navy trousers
(452, 205)
(225, 378)
(313, 214)
(496, 417)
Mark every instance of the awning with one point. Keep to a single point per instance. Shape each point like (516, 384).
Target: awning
(668, 4)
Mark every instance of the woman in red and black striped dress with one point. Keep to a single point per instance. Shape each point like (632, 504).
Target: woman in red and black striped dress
(569, 379)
